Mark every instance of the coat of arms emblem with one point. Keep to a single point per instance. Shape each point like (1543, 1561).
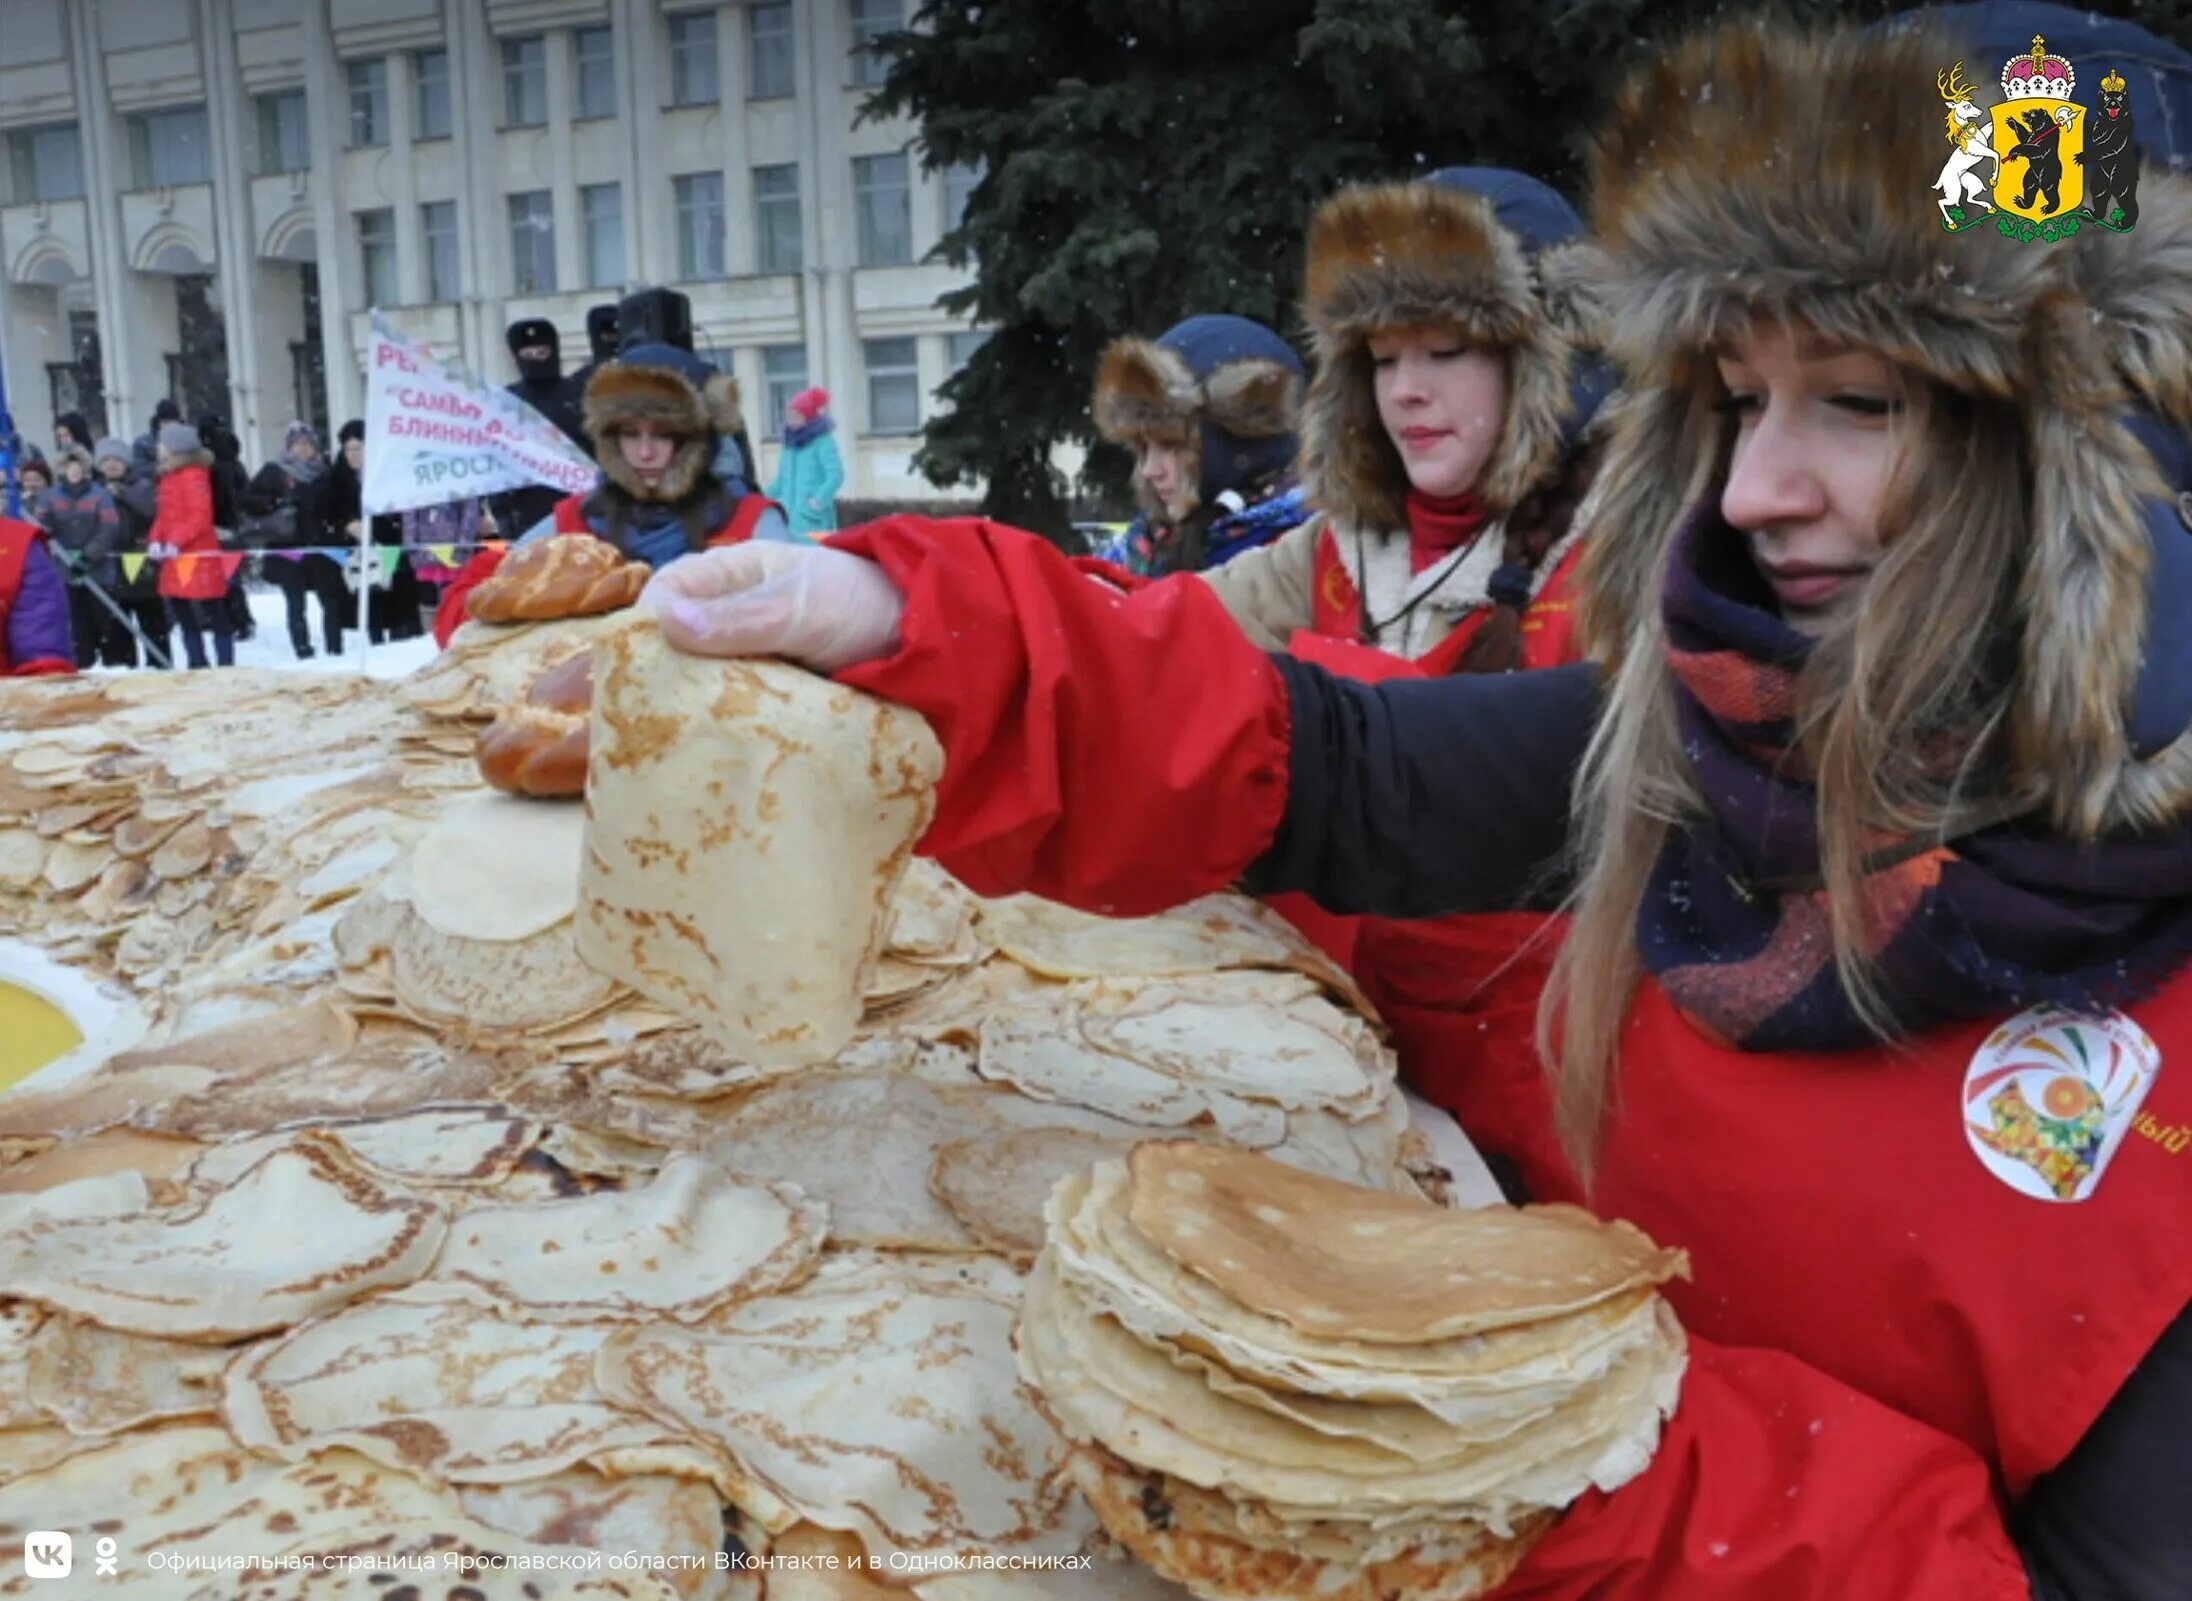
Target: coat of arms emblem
(2037, 161)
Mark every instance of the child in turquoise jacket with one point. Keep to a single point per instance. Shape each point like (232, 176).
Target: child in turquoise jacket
(809, 473)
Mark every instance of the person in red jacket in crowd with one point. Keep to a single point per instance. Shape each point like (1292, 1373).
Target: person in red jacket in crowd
(35, 639)
(1447, 447)
(1877, 994)
(658, 416)
(193, 578)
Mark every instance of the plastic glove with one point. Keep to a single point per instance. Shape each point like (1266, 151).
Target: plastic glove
(809, 604)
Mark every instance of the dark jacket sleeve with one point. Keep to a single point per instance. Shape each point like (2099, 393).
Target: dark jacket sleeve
(2115, 1520)
(1426, 796)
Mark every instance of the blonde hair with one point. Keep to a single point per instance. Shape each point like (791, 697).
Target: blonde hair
(1899, 710)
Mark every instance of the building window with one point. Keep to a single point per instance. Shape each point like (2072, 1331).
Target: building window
(45, 164)
(959, 181)
(770, 50)
(597, 96)
(377, 255)
(963, 347)
(430, 69)
(525, 82)
(776, 217)
(884, 201)
(368, 102)
(871, 20)
(601, 213)
(438, 221)
(692, 59)
(170, 147)
(284, 142)
(532, 244)
(894, 385)
(783, 375)
(699, 225)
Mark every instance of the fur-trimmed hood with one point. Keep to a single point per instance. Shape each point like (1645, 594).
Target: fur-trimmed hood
(677, 393)
(1460, 249)
(1731, 182)
(177, 460)
(1225, 390)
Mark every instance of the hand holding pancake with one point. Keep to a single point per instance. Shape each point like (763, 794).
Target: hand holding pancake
(821, 608)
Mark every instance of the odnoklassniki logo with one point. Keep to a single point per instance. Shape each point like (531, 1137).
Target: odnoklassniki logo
(2050, 1096)
(2038, 162)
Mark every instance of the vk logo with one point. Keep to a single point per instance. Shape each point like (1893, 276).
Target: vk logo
(48, 1554)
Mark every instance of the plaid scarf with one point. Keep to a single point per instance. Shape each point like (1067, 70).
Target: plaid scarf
(1981, 926)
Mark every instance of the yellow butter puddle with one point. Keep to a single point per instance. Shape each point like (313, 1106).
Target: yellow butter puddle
(33, 1032)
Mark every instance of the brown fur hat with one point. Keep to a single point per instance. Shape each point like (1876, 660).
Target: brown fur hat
(675, 391)
(1144, 390)
(1428, 253)
(1223, 390)
(1761, 171)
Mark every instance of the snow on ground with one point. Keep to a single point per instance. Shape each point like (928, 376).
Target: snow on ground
(269, 648)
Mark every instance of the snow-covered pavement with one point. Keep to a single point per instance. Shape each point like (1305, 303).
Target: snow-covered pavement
(269, 648)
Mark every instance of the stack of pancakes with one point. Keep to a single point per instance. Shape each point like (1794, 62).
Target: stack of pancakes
(1279, 1384)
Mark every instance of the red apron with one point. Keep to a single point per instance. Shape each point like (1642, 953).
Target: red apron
(1835, 1207)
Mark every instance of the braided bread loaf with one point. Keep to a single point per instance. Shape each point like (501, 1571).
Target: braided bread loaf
(540, 746)
(569, 575)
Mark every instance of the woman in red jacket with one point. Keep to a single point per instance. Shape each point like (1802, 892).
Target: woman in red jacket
(663, 422)
(1880, 861)
(193, 578)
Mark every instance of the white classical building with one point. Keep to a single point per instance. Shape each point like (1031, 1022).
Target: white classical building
(202, 198)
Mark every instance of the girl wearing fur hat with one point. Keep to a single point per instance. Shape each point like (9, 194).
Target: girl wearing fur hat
(1878, 991)
(1208, 408)
(1438, 436)
(657, 415)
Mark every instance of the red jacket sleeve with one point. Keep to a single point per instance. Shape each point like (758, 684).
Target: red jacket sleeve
(449, 615)
(1774, 1482)
(1121, 752)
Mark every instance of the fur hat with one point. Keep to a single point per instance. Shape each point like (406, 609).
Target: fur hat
(1224, 389)
(1456, 250)
(676, 392)
(1759, 171)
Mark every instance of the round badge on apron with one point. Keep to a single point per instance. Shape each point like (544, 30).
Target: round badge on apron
(2051, 1094)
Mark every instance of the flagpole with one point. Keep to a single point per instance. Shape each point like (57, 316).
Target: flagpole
(365, 586)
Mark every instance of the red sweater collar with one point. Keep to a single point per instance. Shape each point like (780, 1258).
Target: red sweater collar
(1439, 525)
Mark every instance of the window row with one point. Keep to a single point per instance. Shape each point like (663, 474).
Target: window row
(694, 69)
(883, 211)
(174, 146)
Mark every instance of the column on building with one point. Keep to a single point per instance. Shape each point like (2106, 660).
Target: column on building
(475, 76)
(650, 238)
(236, 257)
(562, 53)
(742, 244)
(135, 375)
(403, 179)
(341, 292)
